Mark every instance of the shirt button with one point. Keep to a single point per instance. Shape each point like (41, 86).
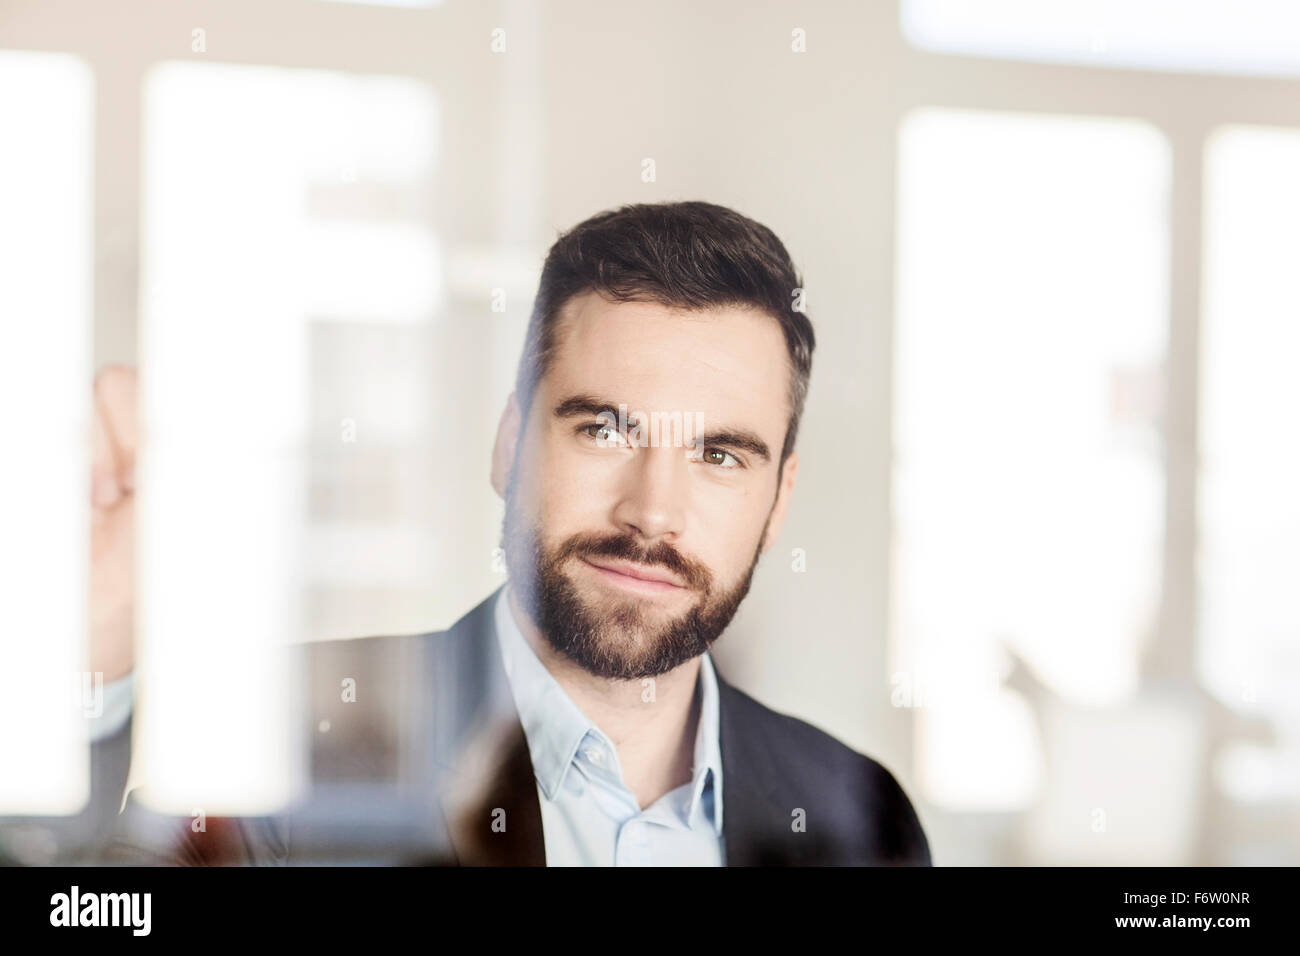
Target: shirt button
(594, 755)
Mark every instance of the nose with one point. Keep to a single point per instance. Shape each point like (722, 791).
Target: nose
(652, 499)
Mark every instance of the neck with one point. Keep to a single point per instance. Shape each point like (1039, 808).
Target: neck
(652, 723)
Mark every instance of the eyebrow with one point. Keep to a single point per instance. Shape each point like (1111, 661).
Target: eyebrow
(577, 405)
(738, 439)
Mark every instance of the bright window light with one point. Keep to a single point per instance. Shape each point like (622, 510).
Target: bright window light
(1204, 36)
(1028, 489)
(1248, 642)
(46, 123)
(274, 200)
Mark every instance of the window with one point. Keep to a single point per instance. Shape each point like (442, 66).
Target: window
(45, 301)
(1028, 489)
(1248, 652)
(335, 171)
(1208, 36)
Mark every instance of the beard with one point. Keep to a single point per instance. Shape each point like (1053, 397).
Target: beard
(618, 638)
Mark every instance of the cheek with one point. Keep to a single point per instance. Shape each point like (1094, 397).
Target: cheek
(568, 493)
(725, 539)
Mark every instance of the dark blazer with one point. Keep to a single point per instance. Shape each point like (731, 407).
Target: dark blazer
(449, 779)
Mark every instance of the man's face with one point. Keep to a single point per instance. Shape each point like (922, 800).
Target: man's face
(632, 552)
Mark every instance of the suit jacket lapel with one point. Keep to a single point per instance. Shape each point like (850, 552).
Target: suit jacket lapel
(492, 811)
(755, 825)
(488, 792)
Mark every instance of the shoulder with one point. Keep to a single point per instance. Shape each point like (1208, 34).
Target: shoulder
(389, 693)
(807, 768)
(466, 638)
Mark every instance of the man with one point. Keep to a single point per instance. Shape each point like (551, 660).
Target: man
(576, 714)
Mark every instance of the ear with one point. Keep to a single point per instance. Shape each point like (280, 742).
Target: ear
(503, 452)
(782, 504)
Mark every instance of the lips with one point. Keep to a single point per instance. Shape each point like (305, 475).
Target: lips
(638, 572)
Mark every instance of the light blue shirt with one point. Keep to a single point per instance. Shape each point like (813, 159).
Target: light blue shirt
(589, 818)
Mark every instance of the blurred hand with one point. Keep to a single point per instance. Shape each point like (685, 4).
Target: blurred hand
(112, 538)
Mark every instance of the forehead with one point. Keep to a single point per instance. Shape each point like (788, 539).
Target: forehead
(729, 363)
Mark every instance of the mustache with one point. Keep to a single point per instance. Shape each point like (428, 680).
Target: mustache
(626, 547)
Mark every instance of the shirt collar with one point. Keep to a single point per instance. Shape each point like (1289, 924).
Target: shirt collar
(555, 727)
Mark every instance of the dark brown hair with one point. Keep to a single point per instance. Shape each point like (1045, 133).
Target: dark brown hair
(684, 255)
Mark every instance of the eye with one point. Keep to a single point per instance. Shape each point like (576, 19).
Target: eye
(604, 434)
(720, 458)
